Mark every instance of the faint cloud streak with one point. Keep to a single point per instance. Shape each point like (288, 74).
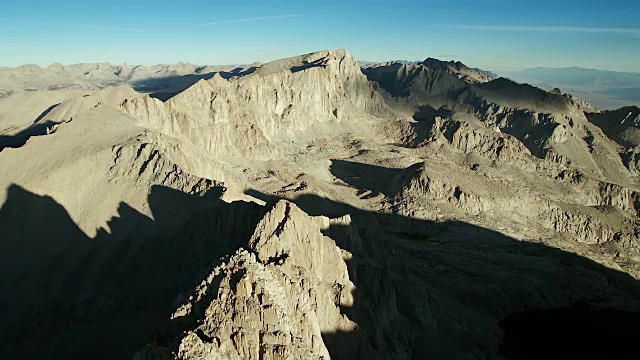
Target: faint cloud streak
(249, 19)
(619, 31)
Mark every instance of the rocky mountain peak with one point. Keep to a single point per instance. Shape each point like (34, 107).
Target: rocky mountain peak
(333, 60)
(459, 69)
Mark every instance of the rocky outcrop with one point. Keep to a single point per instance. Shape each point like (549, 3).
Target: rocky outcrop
(276, 299)
(631, 159)
(492, 144)
(622, 125)
(149, 165)
(594, 225)
(594, 216)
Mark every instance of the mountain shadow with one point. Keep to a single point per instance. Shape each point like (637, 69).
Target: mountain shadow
(365, 177)
(46, 112)
(65, 295)
(21, 138)
(308, 65)
(424, 289)
(428, 113)
(166, 87)
(453, 290)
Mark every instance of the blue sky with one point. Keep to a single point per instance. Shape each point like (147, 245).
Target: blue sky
(492, 34)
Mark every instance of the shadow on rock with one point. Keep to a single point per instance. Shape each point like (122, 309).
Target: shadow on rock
(376, 179)
(65, 295)
(21, 138)
(424, 289)
(166, 87)
(439, 290)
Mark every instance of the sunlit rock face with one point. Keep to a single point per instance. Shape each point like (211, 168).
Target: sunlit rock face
(275, 300)
(280, 102)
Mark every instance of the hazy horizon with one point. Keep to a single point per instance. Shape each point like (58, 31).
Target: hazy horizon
(493, 35)
(45, 65)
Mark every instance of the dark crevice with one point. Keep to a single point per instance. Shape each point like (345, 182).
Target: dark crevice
(145, 164)
(204, 337)
(280, 228)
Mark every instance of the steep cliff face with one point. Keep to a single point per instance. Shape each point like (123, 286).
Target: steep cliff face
(287, 103)
(623, 127)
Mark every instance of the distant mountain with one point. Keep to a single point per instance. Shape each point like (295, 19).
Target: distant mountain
(161, 79)
(458, 68)
(455, 68)
(605, 89)
(406, 62)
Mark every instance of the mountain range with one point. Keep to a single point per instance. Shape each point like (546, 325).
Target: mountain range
(605, 89)
(313, 207)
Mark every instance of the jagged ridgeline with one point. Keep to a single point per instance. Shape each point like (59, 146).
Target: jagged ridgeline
(310, 208)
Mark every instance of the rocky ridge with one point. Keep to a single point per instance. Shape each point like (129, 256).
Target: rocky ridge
(256, 115)
(154, 78)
